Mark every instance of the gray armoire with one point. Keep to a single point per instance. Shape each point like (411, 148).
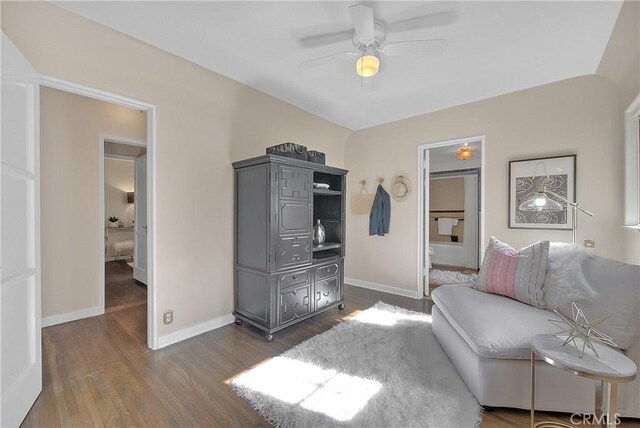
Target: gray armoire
(281, 278)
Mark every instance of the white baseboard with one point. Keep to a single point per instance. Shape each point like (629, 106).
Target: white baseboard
(195, 330)
(381, 287)
(71, 316)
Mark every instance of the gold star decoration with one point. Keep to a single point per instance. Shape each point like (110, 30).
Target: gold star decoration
(580, 328)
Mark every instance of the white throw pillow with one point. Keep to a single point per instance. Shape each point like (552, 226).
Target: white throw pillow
(565, 281)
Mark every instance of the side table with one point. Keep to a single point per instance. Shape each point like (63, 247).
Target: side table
(610, 366)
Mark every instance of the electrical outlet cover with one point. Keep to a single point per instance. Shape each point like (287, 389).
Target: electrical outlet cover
(589, 243)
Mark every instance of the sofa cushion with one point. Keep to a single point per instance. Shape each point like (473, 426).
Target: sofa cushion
(513, 273)
(493, 326)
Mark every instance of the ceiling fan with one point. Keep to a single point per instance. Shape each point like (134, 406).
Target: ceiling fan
(368, 39)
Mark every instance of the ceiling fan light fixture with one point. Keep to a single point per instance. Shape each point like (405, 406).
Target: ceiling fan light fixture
(464, 153)
(367, 65)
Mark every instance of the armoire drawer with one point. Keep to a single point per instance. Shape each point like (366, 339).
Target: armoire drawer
(327, 291)
(294, 303)
(294, 278)
(327, 271)
(294, 251)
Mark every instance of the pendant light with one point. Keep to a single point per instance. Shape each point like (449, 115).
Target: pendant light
(465, 152)
(540, 202)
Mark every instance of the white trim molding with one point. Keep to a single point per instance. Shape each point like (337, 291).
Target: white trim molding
(85, 91)
(124, 158)
(381, 287)
(195, 330)
(71, 316)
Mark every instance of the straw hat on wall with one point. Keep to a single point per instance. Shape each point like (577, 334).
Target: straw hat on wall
(400, 188)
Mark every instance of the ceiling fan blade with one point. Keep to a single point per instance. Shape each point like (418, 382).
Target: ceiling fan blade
(323, 60)
(432, 20)
(325, 39)
(416, 47)
(362, 18)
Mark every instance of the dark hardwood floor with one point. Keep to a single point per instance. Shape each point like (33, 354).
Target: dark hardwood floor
(455, 268)
(99, 372)
(121, 290)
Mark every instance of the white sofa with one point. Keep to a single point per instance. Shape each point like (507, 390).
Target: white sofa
(487, 337)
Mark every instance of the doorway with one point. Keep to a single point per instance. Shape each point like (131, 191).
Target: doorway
(453, 224)
(148, 110)
(450, 212)
(124, 164)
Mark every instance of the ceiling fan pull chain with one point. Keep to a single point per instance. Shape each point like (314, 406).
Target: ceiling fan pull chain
(361, 70)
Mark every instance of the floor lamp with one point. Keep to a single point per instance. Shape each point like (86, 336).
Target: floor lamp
(542, 202)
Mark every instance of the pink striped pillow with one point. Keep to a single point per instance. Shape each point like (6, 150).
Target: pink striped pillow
(515, 274)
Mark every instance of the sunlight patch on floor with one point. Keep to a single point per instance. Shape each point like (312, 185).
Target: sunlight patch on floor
(342, 397)
(350, 315)
(327, 391)
(387, 318)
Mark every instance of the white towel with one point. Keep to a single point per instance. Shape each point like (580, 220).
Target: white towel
(455, 221)
(444, 226)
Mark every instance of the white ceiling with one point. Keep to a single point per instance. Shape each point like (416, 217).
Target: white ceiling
(494, 48)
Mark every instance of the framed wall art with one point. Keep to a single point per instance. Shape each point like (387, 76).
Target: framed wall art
(533, 186)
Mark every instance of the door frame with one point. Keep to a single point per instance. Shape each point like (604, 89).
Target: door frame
(152, 255)
(101, 202)
(422, 270)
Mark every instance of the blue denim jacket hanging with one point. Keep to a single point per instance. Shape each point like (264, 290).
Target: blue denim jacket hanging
(380, 213)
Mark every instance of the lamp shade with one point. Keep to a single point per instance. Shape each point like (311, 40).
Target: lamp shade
(129, 197)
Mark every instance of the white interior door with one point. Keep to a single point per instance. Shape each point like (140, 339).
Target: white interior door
(425, 224)
(471, 222)
(140, 225)
(20, 341)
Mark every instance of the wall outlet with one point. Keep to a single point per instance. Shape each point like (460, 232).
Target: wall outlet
(590, 243)
(167, 317)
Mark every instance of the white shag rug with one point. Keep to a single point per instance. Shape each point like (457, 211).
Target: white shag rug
(444, 277)
(381, 368)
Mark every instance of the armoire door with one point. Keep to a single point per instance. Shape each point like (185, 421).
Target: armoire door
(294, 217)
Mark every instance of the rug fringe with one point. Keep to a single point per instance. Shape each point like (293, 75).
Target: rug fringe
(262, 412)
(480, 417)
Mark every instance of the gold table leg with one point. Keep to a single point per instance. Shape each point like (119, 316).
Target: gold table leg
(613, 405)
(533, 388)
(599, 407)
